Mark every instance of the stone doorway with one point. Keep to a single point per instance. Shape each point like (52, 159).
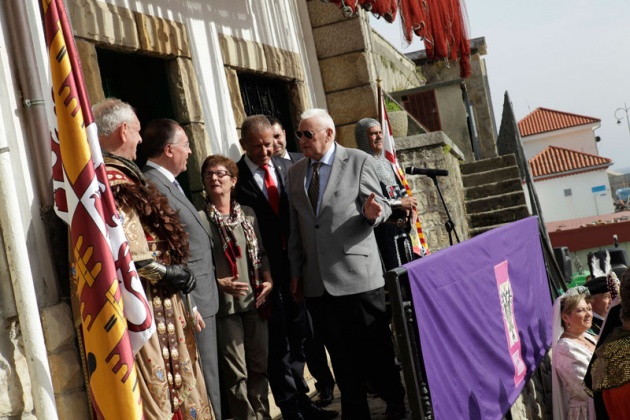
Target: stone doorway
(268, 96)
(141, 81)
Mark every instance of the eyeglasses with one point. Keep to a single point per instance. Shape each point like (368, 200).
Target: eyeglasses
(308, 133)
(219, 174)
(185, 145)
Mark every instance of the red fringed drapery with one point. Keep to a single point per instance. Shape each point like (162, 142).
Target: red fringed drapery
(440, 23)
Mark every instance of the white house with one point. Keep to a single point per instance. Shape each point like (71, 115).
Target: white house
(569, 175)
(546, 127)
(571, 184)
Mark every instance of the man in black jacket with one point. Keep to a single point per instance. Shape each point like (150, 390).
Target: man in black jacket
(261, 186)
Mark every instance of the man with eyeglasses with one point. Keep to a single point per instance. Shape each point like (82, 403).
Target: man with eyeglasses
(167, 148)
(262, 186)
(335, 202)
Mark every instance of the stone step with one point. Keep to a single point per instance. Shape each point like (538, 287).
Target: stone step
(496, 188)
(489, 177)
(478, 231)
(496, 217)
(495, 202)
(487, 164)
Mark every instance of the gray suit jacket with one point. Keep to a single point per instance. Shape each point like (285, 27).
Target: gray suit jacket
(206, 293)
(295, 156)
(336, 250)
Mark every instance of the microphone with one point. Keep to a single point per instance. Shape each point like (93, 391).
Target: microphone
(412, 170)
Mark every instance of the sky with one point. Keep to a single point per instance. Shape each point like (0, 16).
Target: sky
(567, 55)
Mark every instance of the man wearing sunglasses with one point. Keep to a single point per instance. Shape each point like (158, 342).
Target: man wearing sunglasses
(314, 350)
(335, 202)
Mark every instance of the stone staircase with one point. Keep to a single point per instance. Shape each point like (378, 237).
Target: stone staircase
(493, 193)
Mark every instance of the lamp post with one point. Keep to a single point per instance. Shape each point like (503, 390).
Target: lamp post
(624, 109)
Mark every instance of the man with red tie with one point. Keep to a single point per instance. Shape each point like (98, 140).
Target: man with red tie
(261, 186)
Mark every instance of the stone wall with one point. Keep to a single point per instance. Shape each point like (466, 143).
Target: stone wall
(435, 150)
(65, 363)
(395, 70)
(453, 117)
(479, 94)
(351, 57)
(68, 381)
(15, 384)
(441, 71)
(16, 400)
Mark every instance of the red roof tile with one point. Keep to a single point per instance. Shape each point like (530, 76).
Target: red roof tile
(557, 160)
(542, 120)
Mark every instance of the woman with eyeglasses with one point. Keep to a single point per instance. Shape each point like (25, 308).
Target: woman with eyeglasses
(244, 279)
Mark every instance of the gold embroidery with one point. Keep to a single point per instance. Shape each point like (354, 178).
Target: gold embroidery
(611, 366)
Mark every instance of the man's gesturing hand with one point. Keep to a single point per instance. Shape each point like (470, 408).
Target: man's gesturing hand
(372, 209)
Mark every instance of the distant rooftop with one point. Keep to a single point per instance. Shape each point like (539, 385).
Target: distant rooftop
(543, 120)
(558, 161)
(590, 232)
(604, 219)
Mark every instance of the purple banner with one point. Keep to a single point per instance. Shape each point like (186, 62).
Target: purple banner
(484, 319)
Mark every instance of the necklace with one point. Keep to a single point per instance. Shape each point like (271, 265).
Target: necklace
(573, 335)
(579, 337)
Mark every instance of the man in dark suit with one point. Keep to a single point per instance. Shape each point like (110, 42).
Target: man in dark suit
(280, 141)
(335, 202)
(261, 186)
(167, 148)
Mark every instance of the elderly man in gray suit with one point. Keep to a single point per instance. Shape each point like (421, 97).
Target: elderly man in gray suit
(335, 202)
(167, 148)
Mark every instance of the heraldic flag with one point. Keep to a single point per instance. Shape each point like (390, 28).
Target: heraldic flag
(115, 315)
(418, 241)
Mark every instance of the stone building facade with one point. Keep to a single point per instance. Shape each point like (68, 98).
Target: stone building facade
(352, 57)
(203, 49)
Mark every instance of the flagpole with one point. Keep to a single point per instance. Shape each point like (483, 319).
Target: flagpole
(379, 97)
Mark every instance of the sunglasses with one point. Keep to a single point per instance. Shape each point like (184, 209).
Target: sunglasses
(308, 133)
(219, 174)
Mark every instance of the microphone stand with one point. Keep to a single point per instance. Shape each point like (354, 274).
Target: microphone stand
(449, 224)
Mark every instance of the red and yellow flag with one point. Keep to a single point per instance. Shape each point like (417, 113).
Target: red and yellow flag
(115, 315)
(416, 235)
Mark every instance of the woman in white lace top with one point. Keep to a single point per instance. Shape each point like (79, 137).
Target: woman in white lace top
(571, 352)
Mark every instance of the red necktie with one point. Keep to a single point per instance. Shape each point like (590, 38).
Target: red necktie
(272, 190)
